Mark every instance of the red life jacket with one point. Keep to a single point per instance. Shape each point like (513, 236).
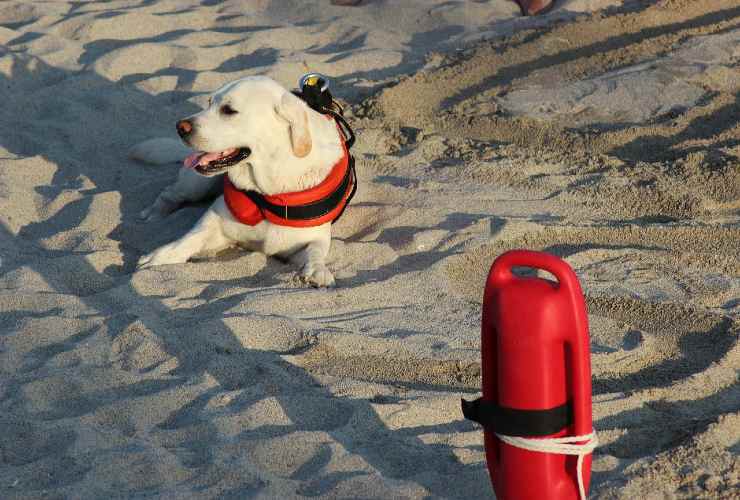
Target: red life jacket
(308, 208)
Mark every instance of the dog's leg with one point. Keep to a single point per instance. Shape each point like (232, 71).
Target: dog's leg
(189, 187)
(312, 261)
(207, 236)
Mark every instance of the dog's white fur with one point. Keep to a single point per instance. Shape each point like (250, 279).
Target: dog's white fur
(292, 148)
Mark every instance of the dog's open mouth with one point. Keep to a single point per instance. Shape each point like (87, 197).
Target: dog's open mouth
(217, 162)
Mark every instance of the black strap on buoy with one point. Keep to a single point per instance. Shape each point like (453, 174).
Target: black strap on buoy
(514, 422)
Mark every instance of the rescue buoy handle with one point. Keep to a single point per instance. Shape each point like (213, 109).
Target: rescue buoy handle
(501, 270)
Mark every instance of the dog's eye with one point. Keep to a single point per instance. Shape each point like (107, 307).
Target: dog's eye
(228, 110)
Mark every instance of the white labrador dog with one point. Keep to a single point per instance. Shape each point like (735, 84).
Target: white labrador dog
(265, 139)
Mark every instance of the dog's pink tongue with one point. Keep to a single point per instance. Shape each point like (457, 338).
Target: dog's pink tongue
(204, 159)
(209, 157)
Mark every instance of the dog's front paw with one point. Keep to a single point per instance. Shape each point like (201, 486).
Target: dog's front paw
(147, 215)
(145, 261)
(160, 257)
(158, 210)
(317, 275)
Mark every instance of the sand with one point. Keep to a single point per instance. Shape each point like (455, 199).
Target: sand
(605, 132)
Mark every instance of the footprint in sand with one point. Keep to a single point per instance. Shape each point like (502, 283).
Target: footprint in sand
(138, 350)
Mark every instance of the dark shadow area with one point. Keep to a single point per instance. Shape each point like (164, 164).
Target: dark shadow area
(565, 250)
(258, 58)
(354, 43)
(345, 86)
(399, 237)
(663, 148)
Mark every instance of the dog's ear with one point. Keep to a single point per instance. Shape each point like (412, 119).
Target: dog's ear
(294, 111)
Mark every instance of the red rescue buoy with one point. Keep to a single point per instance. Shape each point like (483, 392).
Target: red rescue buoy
(536, 370)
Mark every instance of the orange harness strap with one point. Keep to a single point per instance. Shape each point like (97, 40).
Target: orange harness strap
(309, 208)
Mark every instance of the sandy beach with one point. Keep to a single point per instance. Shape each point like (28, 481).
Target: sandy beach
(606, 132)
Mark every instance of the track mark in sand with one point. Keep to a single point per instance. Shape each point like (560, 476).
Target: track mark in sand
(22, 442)
(40, 456)
(677, 249)
(322, 359)
(270, 332)
(286, 456)
(17, 15)
(675, 342)
(138, 350)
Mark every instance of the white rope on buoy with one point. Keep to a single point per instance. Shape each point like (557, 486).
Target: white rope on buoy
(562, 446)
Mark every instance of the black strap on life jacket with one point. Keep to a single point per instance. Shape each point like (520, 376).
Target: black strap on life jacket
(313, 210)
(319, 98)
(514, 422)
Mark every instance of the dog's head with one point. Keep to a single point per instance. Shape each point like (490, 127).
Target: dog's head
(252, 117)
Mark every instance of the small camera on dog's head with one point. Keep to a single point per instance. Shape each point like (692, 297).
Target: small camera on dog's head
(314, 89)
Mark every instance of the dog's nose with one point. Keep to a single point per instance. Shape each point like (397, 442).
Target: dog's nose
(184, 128)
